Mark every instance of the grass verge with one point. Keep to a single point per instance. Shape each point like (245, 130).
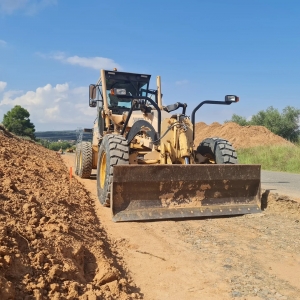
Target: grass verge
(272, 158)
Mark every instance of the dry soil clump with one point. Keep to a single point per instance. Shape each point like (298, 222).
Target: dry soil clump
(239, 136)
(51, 242)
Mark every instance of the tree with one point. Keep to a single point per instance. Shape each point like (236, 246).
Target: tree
(43, 142)
(239, 120)
(270, 118)
(290, 123)
(285, 124)
(17, 121)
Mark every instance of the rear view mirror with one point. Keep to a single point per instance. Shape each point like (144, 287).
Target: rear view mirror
(231, 98)
(92, 103)
(92, 91)
(92, 95)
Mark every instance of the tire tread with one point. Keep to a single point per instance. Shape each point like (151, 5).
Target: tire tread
(228, 153)
(119, 155)
(87, 160)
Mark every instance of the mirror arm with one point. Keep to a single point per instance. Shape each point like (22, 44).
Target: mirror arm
(199, 105)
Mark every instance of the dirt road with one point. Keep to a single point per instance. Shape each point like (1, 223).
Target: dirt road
(281, 182)
(245, 257)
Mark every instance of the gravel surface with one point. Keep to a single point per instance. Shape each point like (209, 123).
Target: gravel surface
(242, 259)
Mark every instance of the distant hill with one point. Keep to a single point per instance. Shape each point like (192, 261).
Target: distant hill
(66, 135)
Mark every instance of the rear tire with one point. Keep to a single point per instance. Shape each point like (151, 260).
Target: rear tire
(85, 160)
(218, 151)
(112, 151)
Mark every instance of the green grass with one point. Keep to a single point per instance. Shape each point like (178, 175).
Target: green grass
(272, 158)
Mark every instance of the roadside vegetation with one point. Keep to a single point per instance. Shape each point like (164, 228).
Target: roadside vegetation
(272, 158)
(55, 146)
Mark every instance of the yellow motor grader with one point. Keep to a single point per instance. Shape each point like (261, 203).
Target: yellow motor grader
(147, 165)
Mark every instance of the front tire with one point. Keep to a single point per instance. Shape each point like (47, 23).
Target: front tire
(217, 151)
(112, 151)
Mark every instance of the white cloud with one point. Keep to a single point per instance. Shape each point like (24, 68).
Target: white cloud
(52, 112)
(8, 6)
(33, 98)
(2, 86)
(2, 42)
(182, 82)
(27, 6)
(56, 107)
(96, 62)
(92, 62)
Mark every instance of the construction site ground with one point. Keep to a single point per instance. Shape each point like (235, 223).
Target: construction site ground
(58, 242)
(250, 257)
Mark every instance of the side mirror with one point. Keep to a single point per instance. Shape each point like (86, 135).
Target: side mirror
(231, 98)
(92, 103)
(92, 91)
(93, 95)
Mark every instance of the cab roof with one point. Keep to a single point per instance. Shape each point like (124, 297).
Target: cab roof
(123, 77)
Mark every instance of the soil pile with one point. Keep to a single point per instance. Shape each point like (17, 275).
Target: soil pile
(239, 136)
(51, 242)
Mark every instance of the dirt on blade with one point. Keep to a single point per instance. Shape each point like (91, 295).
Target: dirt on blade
(52, 244)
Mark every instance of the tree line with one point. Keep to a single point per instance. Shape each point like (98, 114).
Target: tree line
(54, 145)
(285, 124)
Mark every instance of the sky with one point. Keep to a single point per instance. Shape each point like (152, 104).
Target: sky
(51, 50)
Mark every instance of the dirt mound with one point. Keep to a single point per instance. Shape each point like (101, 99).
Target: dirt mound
(281, 204)
(239, 136)
(51, 242)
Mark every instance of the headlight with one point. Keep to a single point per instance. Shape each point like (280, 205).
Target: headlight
(231, 98)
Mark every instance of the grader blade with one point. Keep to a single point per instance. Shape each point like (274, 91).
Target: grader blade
(154, 192)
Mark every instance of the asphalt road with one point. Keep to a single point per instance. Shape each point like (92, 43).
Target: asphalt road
(281, 183)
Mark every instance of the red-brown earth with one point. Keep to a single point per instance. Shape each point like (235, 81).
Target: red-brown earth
(52, 243)
(239, 136)
(58, 242)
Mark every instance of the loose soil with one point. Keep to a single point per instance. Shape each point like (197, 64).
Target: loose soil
(58, 242)
(52, 243)
(239, 136)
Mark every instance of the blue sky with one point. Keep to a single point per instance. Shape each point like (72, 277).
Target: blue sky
(51, 50)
